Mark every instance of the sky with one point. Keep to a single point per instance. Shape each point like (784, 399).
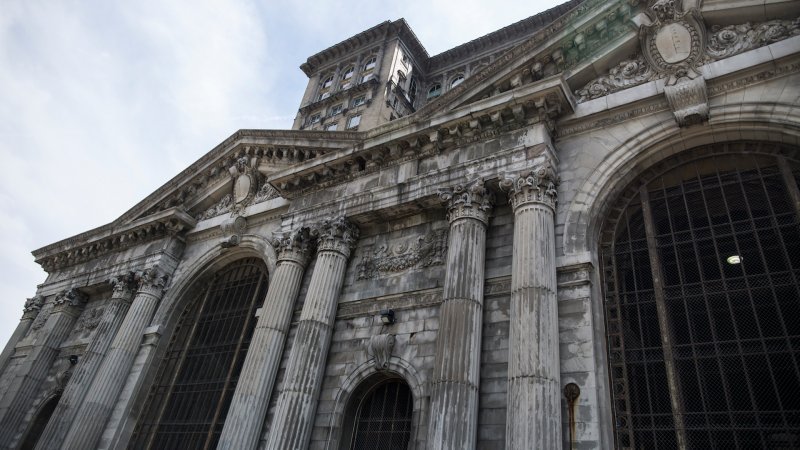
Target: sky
(103, 101)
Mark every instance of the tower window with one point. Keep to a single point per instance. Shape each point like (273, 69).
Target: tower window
(456, 81)
(435, 91)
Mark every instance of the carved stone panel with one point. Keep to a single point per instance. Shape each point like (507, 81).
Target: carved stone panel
(423, 251)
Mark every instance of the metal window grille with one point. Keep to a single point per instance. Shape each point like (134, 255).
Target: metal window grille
(189, 400)
(383, 418)
(704, 352)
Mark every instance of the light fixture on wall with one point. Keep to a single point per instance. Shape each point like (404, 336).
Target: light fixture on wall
(734, 259)
(387, 316)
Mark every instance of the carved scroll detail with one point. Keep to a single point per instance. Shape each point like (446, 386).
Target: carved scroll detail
(428, 250)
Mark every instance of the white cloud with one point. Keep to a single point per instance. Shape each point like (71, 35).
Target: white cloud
(101, 101)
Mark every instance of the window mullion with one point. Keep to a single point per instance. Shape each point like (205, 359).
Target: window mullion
(663, 320)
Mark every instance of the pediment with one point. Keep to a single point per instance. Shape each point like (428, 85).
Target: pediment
(594, 34)
(233, 175)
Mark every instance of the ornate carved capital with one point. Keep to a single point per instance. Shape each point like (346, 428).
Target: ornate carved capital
(338, 235)
(153, 281)
(32, 307)
(295, 246)
(379, 349)
(535, 186)
(124, 286)
(70, 298)
(470, 200)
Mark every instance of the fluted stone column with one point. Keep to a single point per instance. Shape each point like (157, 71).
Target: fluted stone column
(93, 413)
(534, 400)
(248, 408)
(67, 306)
(53, 435)
(456, 371)
(297, 402)
(30, 311)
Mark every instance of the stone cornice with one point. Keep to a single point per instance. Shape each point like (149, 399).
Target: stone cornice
(109, 239)
(370, 36)
(540, 102)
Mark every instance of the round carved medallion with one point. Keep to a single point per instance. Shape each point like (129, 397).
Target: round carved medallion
(241, 188)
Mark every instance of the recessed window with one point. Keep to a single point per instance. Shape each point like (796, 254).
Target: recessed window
(354, 121)
(336, 109)
(401, 77)
(344, 86)
(370, 64)
(348, 73)
(435, 90)
(324, 95)
(367, 77)
(331, 127)
(327, 82)
(456, 81)
(358, 101)
(314, 118)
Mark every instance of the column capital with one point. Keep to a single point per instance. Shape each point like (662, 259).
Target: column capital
(336, 234)
(124, 286)
(295, 245)
(32, 307)
(152, 281)
(537, 185)
(69, 298)
(469, 200)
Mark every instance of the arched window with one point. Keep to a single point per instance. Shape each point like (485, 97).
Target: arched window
(190, 396)
(327, 82)
(456, 81)
(701, 272)
(39, 423)
(435, 90)
(379, 416)
(370, 63)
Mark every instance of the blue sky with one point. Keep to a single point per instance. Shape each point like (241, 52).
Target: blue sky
(102, 102)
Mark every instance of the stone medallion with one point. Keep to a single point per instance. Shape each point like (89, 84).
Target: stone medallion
(673, 43)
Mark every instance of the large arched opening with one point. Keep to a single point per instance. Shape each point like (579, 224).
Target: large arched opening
(700, 260)
(190, 395)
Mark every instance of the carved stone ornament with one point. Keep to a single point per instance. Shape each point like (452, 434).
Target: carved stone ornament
(245, 190)
(91, 320)
(70, 298)
(628, 73)
(379, 350)
(470, 200)
(39, 322)
(33, 304)
(688, 100)
(233, 227)
(733, 39)
(267, 192)
(535, 186)
(221, 207)
(296, 245)
(124, 286)
(338, 234)
(153, 281)
(425, 251)
(674, 43)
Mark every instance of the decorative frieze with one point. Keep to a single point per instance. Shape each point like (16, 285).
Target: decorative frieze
(90, 320)
(687, 37)
(424, 251)
(468, 200)
(726, 41)
(379, 350)
(221, 207)
(535, 186)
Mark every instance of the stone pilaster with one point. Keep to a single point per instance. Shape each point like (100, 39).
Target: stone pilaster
(67, 306)
(534, 397)
(248, 408)
(297, 403)
(456, 370)
(30, 311)
(58, 426)
(93, 413)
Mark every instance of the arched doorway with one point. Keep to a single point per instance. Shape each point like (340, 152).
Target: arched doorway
(39, 423)
(190, 396)
(701, 265)
(379, 416)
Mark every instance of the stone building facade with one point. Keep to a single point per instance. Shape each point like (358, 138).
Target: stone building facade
(579, 231)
